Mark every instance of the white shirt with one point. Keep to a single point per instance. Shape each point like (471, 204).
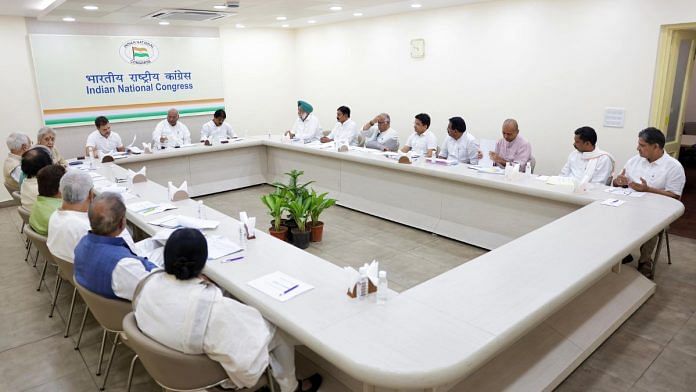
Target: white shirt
(176, 135)
(307, 130)
(236, 335)
(665, 173)
(211, 131)
(388, 139)
(346, 132)
(575, 167)
(102, 144)
(465, 149)
(29, 191)
(420, 144)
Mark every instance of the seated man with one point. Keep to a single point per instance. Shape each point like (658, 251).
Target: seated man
(379, 135)
(48, 200)
(654, 171)
(227, 331)
(345, 131)
(459, 145)
(103, 140)
(33, 160)
(422, 141)
(306, 126)
(104, 263)
(17, 144)
(171, 132)
(588, 163)
(217, 128)
(512, 147)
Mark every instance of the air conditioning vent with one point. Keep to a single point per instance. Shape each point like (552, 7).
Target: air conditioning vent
(189, 15)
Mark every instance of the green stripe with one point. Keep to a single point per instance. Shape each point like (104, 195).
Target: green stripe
(136, 54)
(130, 116)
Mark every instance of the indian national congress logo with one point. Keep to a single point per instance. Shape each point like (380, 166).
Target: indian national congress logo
(139, 51)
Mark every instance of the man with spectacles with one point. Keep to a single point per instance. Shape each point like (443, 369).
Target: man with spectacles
(379, 135)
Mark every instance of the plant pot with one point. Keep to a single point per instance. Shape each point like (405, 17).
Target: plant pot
(300, 238)
(317, 231)
(290, 224)
(281, 234)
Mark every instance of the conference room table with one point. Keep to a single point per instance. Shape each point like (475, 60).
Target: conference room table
(520, 317)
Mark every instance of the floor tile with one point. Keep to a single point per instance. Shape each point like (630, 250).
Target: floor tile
(673, 371)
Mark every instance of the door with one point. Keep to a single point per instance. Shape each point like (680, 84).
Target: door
(681, 62)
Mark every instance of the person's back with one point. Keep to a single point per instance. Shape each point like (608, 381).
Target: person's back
(33, 160)
(48, 200)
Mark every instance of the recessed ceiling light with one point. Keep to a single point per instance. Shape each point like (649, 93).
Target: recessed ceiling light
(68, 19)
(91, 7)
(281, 18)
(239, 26)
(285, 25)
(336, 8)
(416, 5)
(220, 7)
(164, 23)
(358, 14)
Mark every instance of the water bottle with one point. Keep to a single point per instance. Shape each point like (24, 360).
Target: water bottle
(528, 169)
(382, 288)
(201, 210)
(363, 285)
(242, 236)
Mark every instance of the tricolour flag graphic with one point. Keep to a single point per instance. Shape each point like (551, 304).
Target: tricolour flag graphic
(140, 52)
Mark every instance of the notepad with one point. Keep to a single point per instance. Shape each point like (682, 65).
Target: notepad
(220, 246)
(280, 286)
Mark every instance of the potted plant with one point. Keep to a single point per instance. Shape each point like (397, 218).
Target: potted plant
(276, 206)
(318, 204)
(291, 191)
(299, 209)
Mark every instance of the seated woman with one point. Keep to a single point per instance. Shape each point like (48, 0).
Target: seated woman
(47, 137)
(181, 309)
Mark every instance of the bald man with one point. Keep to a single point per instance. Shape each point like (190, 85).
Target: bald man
(171, 132)
(512, 147)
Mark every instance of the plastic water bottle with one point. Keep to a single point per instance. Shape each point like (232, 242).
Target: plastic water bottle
(242, 236)
(201, 210)
(528, 169)
(363, 285)
(382, 288)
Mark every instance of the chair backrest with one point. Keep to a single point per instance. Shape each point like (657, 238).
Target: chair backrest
(24, 214)
(39, 242)
(108, 312)
(171, 369)
(66, 269)
(15, 196)
(107, 159)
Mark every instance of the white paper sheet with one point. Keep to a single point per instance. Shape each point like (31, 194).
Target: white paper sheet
(486, 146)
(147, 208)
(280, 286)
(220, 246)
(613, 202)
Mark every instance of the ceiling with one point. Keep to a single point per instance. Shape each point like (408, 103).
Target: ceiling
(250, 14)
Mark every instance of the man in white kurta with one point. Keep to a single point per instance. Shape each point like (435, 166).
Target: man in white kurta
(171, 132)
(379, 134)
(17, 144)
(306, 126)
(588, 163)
(652, 171)
(345, 132)
(421, 141)
(460, 145)
(217, 128)
(103, 140)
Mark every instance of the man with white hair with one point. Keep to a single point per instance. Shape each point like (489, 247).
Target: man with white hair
(18, 144)
(171, 132)
(70, 222)
(379, 134)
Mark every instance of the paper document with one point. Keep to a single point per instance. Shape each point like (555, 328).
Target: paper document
(443, 161)
(486, 146)
(280, 286)
(624, 191)
(147, 208)
(488, 170)
(220, 246)
(176, 221)
(558, 180)
(613, 202)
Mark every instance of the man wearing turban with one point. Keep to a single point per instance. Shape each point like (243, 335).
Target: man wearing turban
(306, 126)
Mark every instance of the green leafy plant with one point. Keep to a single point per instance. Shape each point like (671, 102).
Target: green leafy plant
(319, 203)
(293, 189)
(299, 209)
(276, 204)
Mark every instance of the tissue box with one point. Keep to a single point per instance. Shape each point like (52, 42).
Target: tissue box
(371, 288)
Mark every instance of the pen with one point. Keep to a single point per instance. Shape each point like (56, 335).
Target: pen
(290, 289)
(234, 259)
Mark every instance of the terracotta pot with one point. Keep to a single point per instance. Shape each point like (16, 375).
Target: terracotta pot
(317, 231)
(300, 238)
(281, 234)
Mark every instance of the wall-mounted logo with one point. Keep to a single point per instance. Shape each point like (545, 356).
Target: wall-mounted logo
(139, 51)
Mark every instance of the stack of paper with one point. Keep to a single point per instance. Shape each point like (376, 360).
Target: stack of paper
(147, 208)
(220, 246)
(280, 286)
(177, 221)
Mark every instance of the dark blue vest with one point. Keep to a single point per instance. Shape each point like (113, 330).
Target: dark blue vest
(96, 257)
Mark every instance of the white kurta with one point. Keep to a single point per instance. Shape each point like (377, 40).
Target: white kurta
(420, 144)
(576, 166)
(388, 139)
(464, 150)
(176, 135)
(28, 192)
(307, 130)
(346, 132)
(210, 131)
(665, 173)
(102, 144)
(236, 335)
